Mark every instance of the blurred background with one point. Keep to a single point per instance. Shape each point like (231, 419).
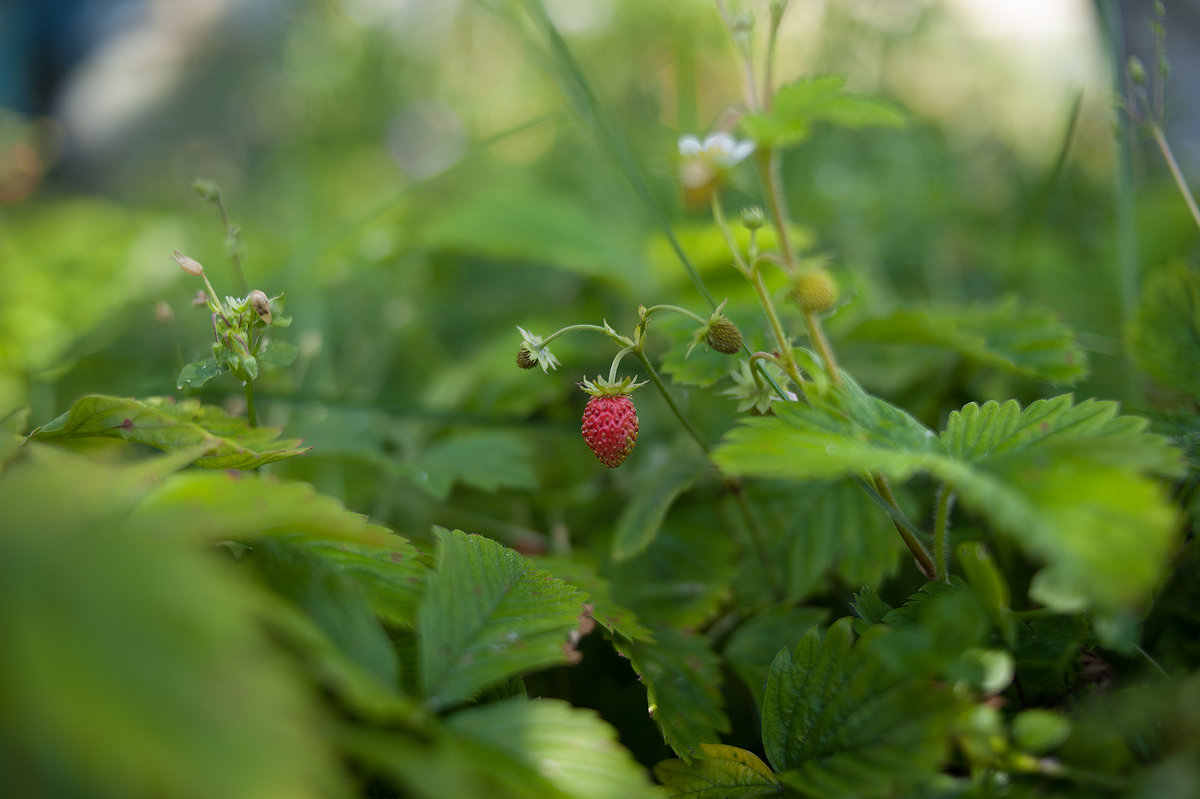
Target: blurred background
(415, 177)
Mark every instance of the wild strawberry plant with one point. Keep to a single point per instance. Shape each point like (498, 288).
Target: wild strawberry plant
(813, 591)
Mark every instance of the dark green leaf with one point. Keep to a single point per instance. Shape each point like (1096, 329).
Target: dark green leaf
(723, 772)
(989, 585)
(1021, 340)
(1164, 334)
(608, 613)
(484, 459)
(640, 520)
(161, 422)
(681, 578)
(754, 645)
(869, 606)
(489, 614)
(829, 530)
(683, 682)
(837, 723)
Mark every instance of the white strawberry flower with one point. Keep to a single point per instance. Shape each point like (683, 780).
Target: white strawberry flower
(703, 164)
(720, 149)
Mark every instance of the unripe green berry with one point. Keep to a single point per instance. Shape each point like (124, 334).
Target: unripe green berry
(815, 291)
(723, 336)
(525, 358)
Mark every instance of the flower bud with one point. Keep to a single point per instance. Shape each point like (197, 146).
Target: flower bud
(163, 312)
(206, 190)
(753, 217)
(189, 265)
(261, 305)
(1137, 71)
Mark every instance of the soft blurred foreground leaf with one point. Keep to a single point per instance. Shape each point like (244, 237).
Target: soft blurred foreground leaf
(797, 106)
(837, 723)
(334, 602)
(134, 665)
(163, 423)
(724, 772)
(545, 748)
(219, 506)
(1072, 484)
(1165, 329)
(683, 687)
(489, 614)
(1025, 341)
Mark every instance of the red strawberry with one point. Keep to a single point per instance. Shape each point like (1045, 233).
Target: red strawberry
(610, 422)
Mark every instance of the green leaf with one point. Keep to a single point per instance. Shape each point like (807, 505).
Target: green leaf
(640, 520)
(1068, 482)
(279, 353)
(485, 459)
(608, 613)
(829, 531)
(989, 585)
(489, 614)
(798, 106)
(683, 680)
(161, 422)
(546, 748)
(933, 633)
(12, 434)
(869, 606)
(724, 772)
(197, 373)
(977, 432)
(1039, 731)
(682, 577)
(1164, 334)
(219, 506)
(1024, 341)
(332, 601)
(508, 218)
(754, 644)
(136, 664)
(836, 722)
(845, 432)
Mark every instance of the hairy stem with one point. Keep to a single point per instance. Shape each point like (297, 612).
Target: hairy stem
(816, 332)
(919, 552)
(758, 536)
(1176, 173)
(251, 414)
(666, 395)
(941, 531)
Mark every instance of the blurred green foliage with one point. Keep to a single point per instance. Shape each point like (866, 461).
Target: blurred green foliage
(419, 189)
